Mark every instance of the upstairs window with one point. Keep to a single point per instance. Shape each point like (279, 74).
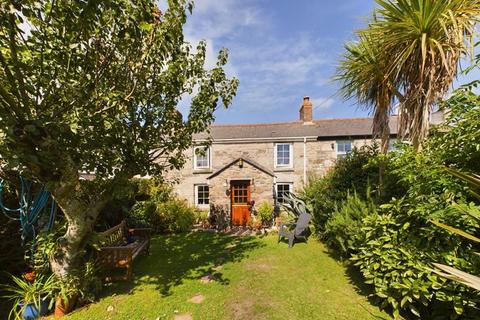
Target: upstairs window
(343, 148)
(282, 189)
(201, 158)
(283, 155)
(202, 195)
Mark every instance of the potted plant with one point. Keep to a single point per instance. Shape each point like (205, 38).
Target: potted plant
(265, 214)
(31, 299)
(69, 290)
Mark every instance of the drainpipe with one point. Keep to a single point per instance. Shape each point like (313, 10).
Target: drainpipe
(304, 161)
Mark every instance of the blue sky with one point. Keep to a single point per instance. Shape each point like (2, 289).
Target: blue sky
(280, 50)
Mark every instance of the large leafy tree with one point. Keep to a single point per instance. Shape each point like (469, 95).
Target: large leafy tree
(94, 85)
(419, 44)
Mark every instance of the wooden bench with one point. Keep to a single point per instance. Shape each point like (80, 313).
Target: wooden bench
(117, 252)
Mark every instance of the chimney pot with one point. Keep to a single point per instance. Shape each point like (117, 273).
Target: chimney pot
(306, 110)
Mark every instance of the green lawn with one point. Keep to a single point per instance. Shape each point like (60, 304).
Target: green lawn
(258, 279)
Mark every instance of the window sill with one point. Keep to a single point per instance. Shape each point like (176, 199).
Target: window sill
(200, 171)
(282, 169)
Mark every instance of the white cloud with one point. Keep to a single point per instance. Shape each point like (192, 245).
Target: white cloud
(275, 69)
(213, 19)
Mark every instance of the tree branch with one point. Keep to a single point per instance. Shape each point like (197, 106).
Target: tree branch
(13, 51)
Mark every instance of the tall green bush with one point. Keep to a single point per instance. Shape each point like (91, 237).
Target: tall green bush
(156, 206)
(357, 172)
(395, 257)
(343, 229)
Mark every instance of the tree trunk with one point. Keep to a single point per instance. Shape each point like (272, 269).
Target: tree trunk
(80, 222)
(81, 216)
(384, 144)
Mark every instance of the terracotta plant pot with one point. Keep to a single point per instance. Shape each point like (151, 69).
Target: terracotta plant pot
(63, 307)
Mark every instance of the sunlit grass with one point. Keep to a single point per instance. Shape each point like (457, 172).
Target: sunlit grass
(258, 279)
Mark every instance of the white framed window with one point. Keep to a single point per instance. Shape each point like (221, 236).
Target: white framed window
(281, 189)
(283, 155)
(343, 148)
(201, 158)
(202, 195)
(392, 145)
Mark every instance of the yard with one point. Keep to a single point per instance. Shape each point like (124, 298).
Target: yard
(202, 275)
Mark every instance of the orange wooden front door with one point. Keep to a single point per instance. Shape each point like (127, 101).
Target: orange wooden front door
(240, 194)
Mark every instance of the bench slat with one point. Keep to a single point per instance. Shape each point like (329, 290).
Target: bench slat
(116, 255)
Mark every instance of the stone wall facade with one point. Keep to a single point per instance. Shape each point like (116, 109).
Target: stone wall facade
(310, 157)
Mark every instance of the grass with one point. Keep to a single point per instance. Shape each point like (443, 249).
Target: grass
(259, 279)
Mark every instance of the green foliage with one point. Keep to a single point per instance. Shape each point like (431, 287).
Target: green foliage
(159, 208)
(400, 244)
(471, 212)
(175, 216)
(265, 213)
(82, 284)
(355, 173)
(94, 86)
(39, 250)
(395, 256)
(23, 292)
(202, 218)
(396, 245)
(118, 94)
(343, 229)
(409, 54)
(457, 141)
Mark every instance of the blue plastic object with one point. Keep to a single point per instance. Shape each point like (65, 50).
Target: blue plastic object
(31, 312)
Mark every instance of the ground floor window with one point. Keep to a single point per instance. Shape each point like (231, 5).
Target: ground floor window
(202, 195)
(343, 148)
(282, 189)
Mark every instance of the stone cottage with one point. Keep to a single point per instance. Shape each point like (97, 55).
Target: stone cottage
(248, 164)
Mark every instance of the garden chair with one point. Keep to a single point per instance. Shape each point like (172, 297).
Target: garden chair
(297, 230)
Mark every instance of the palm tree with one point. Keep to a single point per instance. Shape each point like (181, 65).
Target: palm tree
(362, 72)
(364, 77)
(417, 45)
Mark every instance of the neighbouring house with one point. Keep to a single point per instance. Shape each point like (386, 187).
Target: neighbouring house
(248, 164)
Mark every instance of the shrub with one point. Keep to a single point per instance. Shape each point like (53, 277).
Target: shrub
(395, 245)
(202, 218)
(143, 215)
(343, 229)
(124, 200)
(265, 213)
(396, 255)
(358, 172)
(155, 205)
(174, 216)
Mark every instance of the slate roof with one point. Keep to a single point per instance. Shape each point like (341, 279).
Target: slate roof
(249, 161)
(323, 128)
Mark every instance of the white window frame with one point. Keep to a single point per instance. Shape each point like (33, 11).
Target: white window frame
(208, 153)
(392, 144)
(275, 157)
(342, 154)
(290, 189)
(202, 205)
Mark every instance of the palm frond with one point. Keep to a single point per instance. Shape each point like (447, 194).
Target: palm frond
(458, 275)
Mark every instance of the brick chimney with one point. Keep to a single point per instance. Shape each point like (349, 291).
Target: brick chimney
(306, 110)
